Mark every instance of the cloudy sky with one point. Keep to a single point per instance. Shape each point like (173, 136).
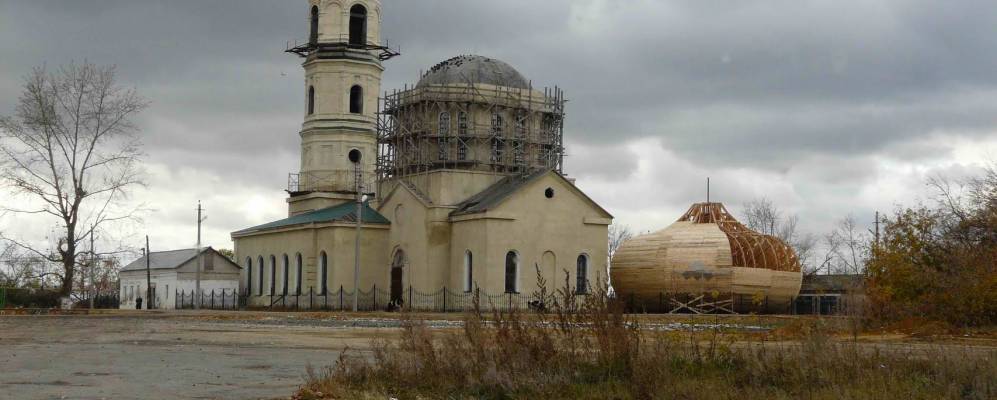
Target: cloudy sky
(828, 108)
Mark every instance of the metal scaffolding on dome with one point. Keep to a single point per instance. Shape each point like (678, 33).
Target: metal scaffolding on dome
(469, 127)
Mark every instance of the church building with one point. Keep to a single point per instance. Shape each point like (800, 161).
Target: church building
(458, 179)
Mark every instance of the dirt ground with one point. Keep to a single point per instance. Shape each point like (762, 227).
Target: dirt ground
(259, 355)
(167, 356)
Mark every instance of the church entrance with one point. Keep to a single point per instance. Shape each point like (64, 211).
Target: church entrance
(397, 291)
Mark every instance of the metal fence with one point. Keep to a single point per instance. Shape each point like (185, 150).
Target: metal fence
(446, 300)
(3, 297)
(374, 299)
(225, 299)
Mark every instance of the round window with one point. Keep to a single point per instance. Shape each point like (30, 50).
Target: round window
(355, 156)
(549, 193)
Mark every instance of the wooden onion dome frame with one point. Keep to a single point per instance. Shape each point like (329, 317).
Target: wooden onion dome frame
(748, 248)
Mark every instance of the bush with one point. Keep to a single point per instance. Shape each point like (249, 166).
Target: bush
(591, 350)
(32, 298)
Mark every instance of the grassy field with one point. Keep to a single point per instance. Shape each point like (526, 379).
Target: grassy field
(594, 351)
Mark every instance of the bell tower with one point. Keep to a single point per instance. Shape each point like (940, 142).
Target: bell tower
(343, 64)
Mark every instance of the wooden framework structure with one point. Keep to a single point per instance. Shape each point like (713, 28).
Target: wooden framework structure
(706, 262)
(748, 248)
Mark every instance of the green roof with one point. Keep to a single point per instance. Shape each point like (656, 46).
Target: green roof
(345, 212)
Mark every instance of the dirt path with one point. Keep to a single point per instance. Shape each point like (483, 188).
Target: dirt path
(164, 357)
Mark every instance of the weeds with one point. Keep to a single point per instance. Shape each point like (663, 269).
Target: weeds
(587, 348)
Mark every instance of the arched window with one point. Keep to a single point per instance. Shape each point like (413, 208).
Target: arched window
(287, 270)
(356, 99)
(259, 288)
(444, 124)
(358, 25)
(462, 126)
(461, 150)
(249, 274)
(582, 274)
(313, 32)
(311, 100)
(497, 123)
(297, 275)
(468, 271)
(273, 275)
(323, 284)
(511, 272)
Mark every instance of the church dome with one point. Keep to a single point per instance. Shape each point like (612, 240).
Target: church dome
(707, 251)
(474, 69)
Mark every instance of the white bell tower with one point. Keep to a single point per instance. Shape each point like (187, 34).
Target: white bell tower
(343, 57)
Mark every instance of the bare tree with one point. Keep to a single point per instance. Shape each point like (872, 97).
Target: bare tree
(761, 215)
(618, 234)
(847, 246)
(71, 149)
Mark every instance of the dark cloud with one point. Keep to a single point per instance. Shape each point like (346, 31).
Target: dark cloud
(784, 95)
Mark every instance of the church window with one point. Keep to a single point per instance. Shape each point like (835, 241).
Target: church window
(287, 270)
(249, 274)
(498, 150)
(444, 130)
(356, 99)
(468, 271)
(511, 272)
(546, 154)
(521, 125)
(313, 32)
(497, 122)
(519, 152)
(273, 275)
(297, 275)
(444, 124)
(358, 25)
(259, 288)
(582, 274)
(323, 284)
(462, 123)
(461, 149)
(444, 146)
(311, 100)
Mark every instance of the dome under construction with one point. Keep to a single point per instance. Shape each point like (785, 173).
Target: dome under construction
(706, 261)
(474, 69)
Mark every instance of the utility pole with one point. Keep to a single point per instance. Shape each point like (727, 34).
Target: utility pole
(356, 244)
(877, 229)
(148, 275)
(93, 262)
(355, 156)
(197, 274)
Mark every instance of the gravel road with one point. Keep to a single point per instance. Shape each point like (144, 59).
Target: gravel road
(165, 356)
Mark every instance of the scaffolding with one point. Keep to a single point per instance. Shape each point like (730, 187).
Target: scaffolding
(469, 126)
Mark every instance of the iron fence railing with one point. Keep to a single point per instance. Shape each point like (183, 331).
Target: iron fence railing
(447, 300)
(374, 299)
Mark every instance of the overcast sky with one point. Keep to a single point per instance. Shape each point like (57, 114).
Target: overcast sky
(828, 108)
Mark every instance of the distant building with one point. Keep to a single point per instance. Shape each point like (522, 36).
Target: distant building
(830, 294)
(175, 271)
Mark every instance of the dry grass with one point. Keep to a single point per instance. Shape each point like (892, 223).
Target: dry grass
(591, 350)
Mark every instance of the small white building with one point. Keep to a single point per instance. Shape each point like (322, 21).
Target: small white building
(173, 272)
